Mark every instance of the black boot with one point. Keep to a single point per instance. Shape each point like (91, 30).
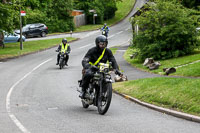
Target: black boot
(57, 63)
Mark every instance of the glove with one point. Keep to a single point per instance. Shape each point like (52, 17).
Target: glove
(95, 68)
(117, 72)
(57, 50)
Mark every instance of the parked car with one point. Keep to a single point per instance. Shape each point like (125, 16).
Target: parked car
(31, 30)
(12, 37)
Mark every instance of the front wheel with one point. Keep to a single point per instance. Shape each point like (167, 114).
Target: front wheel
(61, 63)
(105, 100)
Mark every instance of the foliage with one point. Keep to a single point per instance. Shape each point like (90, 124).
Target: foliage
(8, 17)
(35, 16)
(105, 9)
(187, 3)
(54, 13)
(166, 31)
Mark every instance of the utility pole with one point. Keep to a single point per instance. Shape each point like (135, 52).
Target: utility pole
(20, 19)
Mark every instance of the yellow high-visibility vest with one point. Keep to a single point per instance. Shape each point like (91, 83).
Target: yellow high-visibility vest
(64, 49)
(100, 57)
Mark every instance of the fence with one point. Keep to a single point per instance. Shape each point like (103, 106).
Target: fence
(80, 20)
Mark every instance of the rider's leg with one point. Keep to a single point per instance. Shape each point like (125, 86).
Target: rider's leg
(66, 60)
(85, 81)
(58, 58)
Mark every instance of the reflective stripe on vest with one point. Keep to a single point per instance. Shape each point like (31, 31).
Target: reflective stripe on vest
(64, 49)
(100, 57)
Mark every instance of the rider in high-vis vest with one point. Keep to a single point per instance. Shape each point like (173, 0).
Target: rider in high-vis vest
(63, 47)
(106, 29)
(95, 55)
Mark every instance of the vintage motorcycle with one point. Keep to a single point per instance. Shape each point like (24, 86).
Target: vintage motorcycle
(62, 59)
(99, 92)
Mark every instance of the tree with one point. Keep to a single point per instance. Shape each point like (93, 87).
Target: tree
(166, 31)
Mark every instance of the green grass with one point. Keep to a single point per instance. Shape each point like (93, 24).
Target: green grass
(113, 50)
(192, 70)
(13, 49)
(180, 94)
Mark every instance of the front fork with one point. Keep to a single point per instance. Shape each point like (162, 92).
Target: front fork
(100, 86)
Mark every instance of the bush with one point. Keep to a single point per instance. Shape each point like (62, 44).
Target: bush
(109, 11)
(166, 31)
(35, 16)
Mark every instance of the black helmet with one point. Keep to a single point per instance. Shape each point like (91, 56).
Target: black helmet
(64, 40)
(99, 39)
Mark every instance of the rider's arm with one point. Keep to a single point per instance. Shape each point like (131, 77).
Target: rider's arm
(59, 47)
(86, 60)
(69, 49)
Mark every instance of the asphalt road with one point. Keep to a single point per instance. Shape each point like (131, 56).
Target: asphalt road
(37, 97)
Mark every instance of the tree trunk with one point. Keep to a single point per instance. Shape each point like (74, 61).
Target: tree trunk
(4, 1)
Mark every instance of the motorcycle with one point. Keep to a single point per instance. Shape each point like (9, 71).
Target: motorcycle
(99, 92)
(105, 33)
(62, 60)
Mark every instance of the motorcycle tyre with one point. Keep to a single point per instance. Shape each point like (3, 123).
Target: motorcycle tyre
(85, 105)
(61, 63)
(109, 91)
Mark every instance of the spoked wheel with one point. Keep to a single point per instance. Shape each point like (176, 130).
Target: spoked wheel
(105, 100)
(85, 105)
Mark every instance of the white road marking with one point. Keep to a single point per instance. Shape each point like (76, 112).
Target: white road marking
(119, 32)
(111, 36)
(127, 29)
(85, 46)
(89, 34)
(8, 108)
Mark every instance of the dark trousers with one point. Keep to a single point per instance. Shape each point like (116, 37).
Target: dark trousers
(66, 59)
(86, 78)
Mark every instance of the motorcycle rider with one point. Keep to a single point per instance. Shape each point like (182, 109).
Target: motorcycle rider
(95, 55)
(106, 29)
(63, 47)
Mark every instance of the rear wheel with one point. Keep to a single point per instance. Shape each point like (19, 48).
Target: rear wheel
(43, 34)
(105, 100)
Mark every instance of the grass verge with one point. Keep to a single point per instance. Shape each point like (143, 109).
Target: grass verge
(190, 70)
(13, 49)
(180, 94)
